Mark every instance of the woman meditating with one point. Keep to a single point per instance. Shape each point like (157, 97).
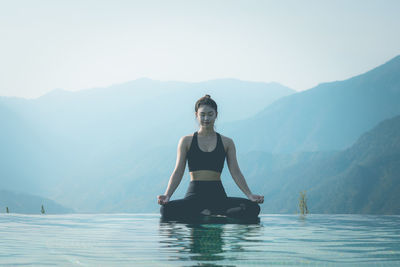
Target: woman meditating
(205, 151)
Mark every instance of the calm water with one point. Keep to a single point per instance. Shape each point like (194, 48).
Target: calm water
(142, 240)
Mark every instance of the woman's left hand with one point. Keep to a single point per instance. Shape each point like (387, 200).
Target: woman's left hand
(256, 198)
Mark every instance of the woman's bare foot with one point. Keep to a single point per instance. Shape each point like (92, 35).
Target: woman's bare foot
(206, 212)
(241, 208)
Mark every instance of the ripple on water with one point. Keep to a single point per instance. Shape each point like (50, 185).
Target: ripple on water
(142, 239)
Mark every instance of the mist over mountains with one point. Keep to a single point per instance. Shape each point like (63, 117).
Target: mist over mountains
(363, 178)
(29, 204)
(113, 149)
(80, 142)
(330, 116)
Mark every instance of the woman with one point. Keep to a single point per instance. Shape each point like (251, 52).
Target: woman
(205, 151)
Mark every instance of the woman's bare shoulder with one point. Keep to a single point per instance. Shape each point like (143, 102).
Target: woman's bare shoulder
(227, 141)
(226, 138)
(188, 137)
(186, 140)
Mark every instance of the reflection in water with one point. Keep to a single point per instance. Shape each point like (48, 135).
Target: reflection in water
(208, 242)
(142, 240)
(331, 240)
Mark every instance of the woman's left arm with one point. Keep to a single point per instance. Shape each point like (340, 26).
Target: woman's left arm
(237, 174)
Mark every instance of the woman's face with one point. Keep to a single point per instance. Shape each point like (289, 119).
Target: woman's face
(206, 116)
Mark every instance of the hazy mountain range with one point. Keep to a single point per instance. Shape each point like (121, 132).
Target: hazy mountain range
(70, 146)
(26, 203)
(364, 178)
(330, 116)
(113, 149)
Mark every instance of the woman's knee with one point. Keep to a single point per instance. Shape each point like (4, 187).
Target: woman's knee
(177, 208)
(252, 209)
(163, 210)
(167, 209)
(255, 208)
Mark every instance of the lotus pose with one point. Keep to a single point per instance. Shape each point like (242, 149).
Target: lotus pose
(205, 150)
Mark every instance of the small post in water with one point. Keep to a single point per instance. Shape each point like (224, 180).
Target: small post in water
(303, 203)
(42, 211)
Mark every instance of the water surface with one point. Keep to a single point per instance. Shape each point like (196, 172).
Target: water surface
(143, 240)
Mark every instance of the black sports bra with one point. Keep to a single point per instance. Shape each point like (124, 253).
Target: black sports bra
(200, 160)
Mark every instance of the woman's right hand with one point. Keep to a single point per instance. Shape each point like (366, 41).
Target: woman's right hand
(256, 198)
(162, 199)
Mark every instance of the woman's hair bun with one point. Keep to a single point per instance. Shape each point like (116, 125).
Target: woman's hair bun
(205, 100)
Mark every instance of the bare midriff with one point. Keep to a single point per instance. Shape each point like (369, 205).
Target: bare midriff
(205, 175)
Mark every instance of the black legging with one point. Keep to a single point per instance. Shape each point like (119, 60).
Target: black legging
(209, 195)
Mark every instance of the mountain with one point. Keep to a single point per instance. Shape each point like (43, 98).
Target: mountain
(84, 142)
(330, 116)
(369, 180)
(122, 116)
(20, 151)
(30, 204)
(361, 179)
(113, 149)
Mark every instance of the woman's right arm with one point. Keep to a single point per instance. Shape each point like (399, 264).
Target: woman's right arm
(178, 172)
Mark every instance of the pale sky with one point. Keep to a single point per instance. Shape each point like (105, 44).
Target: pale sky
(80, 44)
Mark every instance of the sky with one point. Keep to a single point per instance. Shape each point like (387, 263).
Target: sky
(81, 44)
